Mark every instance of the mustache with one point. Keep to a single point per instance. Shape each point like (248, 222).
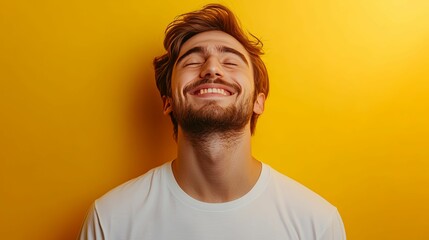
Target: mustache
(211, 80)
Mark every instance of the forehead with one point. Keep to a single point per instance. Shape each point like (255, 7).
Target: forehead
(211, 39)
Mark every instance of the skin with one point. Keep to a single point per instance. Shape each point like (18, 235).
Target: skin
(214, 171)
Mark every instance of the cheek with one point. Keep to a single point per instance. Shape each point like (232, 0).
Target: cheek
(251, 80)
(179, 80)
(245, 79)
(182, 78)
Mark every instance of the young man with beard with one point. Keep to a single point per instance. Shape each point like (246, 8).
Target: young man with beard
(213, 84)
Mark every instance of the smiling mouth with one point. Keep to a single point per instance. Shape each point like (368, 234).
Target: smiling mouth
(204, 91)
(212, 88)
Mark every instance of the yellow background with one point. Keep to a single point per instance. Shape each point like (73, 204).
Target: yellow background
(347, 114)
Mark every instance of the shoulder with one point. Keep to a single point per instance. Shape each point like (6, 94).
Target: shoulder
(302, 206)
(132, 192)
(297, 194)
(115, 212)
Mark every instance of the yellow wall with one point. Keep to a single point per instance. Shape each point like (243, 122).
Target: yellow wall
(347, 115)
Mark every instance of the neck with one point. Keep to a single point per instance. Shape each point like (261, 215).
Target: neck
(218, 168)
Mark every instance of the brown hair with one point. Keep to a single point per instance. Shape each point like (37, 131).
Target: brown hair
(211, 17)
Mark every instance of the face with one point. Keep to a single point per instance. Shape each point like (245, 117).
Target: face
(212, 85)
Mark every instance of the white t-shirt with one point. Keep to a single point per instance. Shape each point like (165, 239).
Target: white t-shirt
(153, 206)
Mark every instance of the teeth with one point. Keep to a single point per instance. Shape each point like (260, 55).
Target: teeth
(213, 90)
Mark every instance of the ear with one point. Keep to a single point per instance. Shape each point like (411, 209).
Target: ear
(259, 104)
(167, 105)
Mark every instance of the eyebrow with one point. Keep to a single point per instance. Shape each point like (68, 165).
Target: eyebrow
(204, 51)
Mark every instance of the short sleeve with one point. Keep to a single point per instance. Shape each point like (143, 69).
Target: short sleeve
(91, 229)
(335, 230)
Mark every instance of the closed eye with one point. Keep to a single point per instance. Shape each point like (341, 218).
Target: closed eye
(231, 60)
(231, 64)
(192, 64)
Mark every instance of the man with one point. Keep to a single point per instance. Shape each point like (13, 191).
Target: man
(213, 84)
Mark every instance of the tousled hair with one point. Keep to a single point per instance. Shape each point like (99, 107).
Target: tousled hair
(211, 17)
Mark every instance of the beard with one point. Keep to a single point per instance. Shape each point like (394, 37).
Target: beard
(212, 118)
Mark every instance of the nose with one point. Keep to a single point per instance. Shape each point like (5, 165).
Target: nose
(211, 69)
